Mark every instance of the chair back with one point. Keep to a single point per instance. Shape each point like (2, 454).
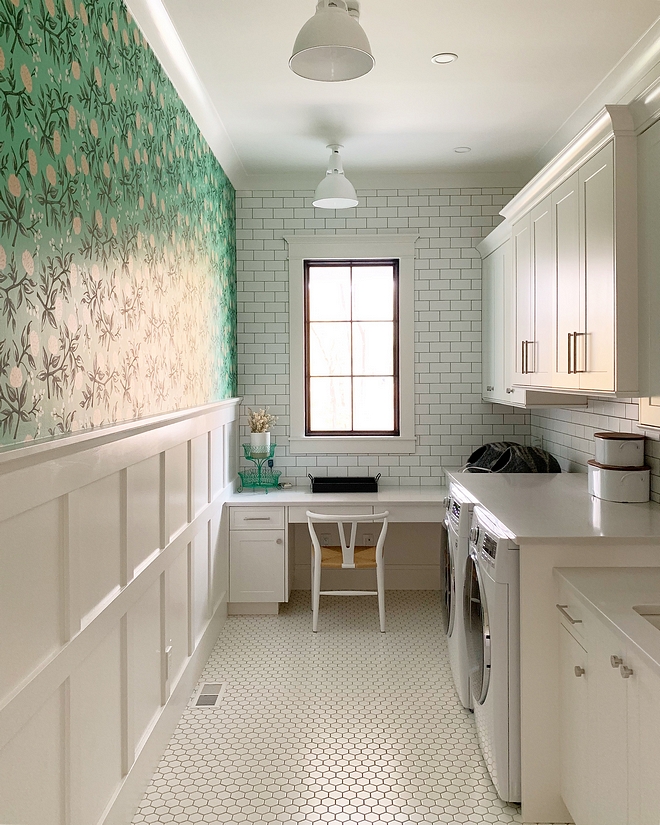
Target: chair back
(347, 541)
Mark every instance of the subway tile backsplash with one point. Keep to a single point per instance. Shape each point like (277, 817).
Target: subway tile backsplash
(451, 419)
(569, 433)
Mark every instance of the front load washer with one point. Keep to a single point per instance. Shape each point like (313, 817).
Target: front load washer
(492, 615)
(458, 519)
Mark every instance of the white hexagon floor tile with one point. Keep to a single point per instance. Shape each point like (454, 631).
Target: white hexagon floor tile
(345, 726)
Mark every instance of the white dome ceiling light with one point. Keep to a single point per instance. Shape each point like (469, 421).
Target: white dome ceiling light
(335, 190)
(332, 45)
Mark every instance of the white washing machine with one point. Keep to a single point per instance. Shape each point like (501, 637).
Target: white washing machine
(492, 622)
(458, 518)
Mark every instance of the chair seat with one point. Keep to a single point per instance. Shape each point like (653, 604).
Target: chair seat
(363, 557)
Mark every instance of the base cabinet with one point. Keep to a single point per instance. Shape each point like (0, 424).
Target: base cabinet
(609, 725)
(257, 555)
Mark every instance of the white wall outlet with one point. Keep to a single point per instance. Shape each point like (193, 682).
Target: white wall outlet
(368, 539)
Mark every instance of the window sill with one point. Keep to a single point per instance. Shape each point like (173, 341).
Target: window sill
(355, 445)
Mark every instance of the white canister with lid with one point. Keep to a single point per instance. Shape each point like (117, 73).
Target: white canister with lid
(619, 449)
(624, 484)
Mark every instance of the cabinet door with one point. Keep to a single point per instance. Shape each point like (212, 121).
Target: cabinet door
(523, 298)
(595, 346)
(643, 744)
(257, 566)
(576, 787)
(492, 313)
(569, 296)
(610, 729)
(540, 349)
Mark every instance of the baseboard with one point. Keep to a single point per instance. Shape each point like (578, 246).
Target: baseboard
(397, 577)
(253, 608)
(130, 792)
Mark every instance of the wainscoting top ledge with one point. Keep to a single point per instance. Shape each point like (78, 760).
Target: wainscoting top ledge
(16, 456)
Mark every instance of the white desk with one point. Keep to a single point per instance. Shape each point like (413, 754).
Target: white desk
(261, 543)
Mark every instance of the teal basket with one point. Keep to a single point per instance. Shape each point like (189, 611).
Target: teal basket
(253, 479)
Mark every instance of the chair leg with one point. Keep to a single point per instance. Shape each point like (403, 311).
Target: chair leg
(380, 586)
(316, 593)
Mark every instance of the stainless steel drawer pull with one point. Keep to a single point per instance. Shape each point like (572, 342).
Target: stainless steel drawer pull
(562, 609)
(616, 661)
(257, 518)
(626, 672)
(579, 671)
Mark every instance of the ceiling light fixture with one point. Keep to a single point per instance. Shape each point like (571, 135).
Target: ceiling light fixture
(461, 150)
(444, 57)
(332, 45)
(335, 190)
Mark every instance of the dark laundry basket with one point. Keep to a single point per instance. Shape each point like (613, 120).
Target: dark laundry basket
(508, 457)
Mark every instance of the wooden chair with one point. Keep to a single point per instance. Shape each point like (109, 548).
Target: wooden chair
(347, 556)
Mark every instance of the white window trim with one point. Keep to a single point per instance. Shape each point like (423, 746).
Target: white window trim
(352, 247)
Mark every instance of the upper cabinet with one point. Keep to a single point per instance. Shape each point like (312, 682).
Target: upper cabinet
(573, 232)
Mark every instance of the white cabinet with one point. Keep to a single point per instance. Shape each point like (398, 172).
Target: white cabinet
(609, 724)
(257, 555)
(574, 261)
(503, 325)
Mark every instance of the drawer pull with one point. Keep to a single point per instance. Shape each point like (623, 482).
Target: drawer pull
(579, 671)
(616, 661)
(278, 541)
(562, 609)
(626, 672)
(257, 518)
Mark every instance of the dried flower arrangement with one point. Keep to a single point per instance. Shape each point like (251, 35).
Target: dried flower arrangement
(260, 421)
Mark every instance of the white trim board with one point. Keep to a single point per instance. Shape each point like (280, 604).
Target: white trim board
(334, 247)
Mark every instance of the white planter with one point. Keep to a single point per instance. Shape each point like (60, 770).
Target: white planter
(260, 444)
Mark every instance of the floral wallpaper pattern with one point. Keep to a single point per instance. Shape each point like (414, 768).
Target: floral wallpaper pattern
(117, 229)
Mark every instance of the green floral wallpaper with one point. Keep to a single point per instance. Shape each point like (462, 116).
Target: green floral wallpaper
(117, 229)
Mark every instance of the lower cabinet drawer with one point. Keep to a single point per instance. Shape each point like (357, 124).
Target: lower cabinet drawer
(257, 566)
(256, 518)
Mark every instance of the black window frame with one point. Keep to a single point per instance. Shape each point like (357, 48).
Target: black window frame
(353, 263)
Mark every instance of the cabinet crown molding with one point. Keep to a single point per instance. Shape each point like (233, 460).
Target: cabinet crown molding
(610, 122)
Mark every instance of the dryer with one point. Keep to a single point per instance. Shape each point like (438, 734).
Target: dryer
(458, 518)
(491, 607)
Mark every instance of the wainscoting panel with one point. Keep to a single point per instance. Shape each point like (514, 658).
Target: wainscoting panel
(114, 559)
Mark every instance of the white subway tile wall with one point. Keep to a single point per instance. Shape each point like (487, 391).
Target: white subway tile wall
(451, 419)
(569, 433)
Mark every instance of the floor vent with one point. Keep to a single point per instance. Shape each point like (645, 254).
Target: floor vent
(208, 695)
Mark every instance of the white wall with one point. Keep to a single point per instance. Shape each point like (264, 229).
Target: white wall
(113, 551)
(450, 417)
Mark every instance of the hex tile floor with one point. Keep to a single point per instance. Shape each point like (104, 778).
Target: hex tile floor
(345, 726)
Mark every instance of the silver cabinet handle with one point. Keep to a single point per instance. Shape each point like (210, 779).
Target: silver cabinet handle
(562, 609)
(523, 364)
(510, 390)
(579, 671)
(575, 358)
(626, 672)
(616, 661)
(489, 388)
(257, 518)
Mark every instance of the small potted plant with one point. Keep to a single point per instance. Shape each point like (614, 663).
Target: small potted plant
(260, 422)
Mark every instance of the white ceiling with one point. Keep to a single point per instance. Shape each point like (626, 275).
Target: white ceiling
(524, 68)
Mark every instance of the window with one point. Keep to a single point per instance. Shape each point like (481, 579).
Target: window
(351, 348)
(351, 381)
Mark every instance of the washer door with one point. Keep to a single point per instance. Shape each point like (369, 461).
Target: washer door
(449, 581)
(477, 629)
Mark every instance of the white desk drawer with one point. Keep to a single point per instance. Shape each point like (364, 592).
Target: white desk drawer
(297, 515)
(256, 518)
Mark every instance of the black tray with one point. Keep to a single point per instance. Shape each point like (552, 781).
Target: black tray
(344, 484)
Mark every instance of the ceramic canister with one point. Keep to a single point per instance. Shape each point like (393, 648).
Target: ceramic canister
(619, 449)
(624, 484)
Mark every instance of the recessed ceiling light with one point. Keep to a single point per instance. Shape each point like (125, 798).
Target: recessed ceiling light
(444, 57)
(461, 150)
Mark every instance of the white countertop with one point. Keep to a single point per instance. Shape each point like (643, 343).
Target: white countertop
(303, 495)
(536, 507)
(610, 594)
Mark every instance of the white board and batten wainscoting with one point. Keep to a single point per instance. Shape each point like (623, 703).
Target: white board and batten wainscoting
(114, 559)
